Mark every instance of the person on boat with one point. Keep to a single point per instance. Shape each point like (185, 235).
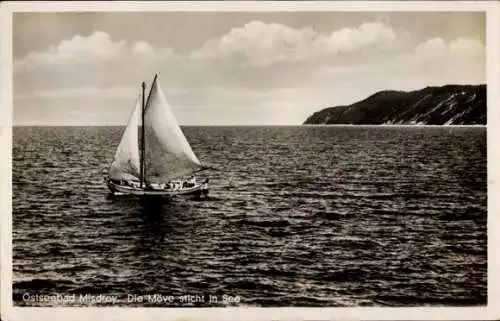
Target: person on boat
(190, 182)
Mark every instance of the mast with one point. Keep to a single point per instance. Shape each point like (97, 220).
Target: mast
(144, 104)
(142, 134)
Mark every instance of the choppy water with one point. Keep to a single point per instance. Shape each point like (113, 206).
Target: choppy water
(299, 216)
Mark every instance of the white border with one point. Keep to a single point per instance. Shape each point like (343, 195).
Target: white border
(493, 139)
(247, 6)
(8, 312)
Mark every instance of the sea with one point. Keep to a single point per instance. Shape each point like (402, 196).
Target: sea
(304, 216)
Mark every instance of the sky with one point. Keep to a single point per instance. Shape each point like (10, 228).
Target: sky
(237, 68)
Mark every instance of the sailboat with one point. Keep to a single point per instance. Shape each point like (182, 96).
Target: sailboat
(159, 161)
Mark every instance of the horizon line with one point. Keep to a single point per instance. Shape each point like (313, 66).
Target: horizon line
(273, 125)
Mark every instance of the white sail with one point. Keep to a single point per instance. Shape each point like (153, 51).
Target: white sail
(167, 153)
(126, 162)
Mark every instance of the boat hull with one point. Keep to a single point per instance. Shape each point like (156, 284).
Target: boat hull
(116, 189)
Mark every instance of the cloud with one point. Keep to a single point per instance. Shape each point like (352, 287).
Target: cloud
(352, 39)
(437, 47)
(142, 48)
(95, 60)
(261, 44)
(96, 46)
(432, 47)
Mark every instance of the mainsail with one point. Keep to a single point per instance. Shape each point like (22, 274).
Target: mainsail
(126, 162)
(167, 153)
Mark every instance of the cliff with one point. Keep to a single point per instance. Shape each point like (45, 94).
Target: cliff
(445, 105)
